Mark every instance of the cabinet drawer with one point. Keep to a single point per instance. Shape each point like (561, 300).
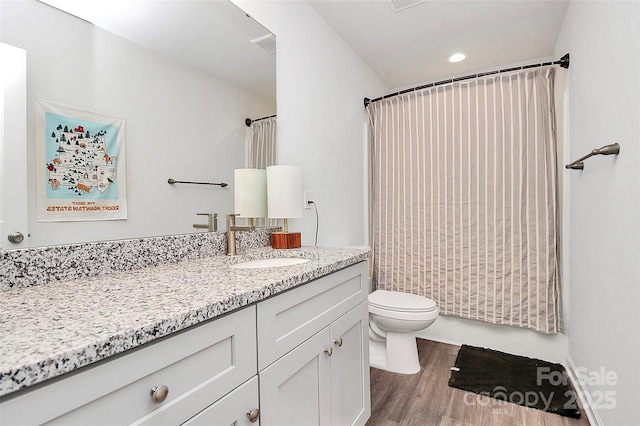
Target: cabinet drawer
(286, 321)
(198, 367)
(232, 409)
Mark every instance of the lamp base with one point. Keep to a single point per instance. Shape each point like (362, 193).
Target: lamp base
(285, 240)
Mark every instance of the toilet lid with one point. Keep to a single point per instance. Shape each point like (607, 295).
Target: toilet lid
(398, 301)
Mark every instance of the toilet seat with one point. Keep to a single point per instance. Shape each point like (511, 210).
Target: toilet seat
(394, 301)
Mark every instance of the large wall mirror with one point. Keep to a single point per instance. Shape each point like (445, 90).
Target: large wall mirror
(184, 75)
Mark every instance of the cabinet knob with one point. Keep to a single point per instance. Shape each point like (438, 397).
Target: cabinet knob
(159, 394)
(338, 342)
(253, 415)
(329, 351)
(15, 237)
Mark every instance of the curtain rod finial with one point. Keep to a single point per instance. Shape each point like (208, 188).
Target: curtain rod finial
(248, 122)
(564, 61)
(575, 166)
(367, 101)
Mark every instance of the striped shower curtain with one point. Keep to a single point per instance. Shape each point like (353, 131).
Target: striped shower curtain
(464, 198)
(262, 144)
(261, 153)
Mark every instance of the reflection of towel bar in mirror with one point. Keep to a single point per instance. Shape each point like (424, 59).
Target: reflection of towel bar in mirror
(614, 149)
(172, 181)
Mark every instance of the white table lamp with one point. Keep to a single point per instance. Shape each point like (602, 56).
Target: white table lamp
(250, 193)
(285, 201)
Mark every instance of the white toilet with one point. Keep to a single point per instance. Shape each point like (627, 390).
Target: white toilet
(394, 317)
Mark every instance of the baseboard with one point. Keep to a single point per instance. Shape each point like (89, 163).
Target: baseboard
(583, 394)
(437, 339)
(514, 340)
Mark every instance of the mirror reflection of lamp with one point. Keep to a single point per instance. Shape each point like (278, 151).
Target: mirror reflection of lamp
(250, 193)
(285, 201)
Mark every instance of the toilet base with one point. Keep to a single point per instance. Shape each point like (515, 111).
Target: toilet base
(401, 359)
(377, 354)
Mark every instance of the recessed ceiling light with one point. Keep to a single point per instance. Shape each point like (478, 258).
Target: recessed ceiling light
(457, 57)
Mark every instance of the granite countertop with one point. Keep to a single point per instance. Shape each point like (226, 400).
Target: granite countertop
(52, 329)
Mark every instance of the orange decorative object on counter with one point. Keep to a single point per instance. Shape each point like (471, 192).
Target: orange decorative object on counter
(285, 240)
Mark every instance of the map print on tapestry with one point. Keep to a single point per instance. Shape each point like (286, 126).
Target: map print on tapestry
(78, 161)
(81, 164)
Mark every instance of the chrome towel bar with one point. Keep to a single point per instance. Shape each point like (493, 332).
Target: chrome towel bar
(614, 149)
(172, 181)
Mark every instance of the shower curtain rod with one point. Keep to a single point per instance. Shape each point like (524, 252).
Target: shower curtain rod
(563, 62)
(248, 121)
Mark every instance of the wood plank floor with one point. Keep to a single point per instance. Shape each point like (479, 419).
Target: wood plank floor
(425, 399)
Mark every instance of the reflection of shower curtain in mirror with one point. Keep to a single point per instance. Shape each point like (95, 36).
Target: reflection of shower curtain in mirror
(262, 146)
(262, 153)
(463, 198)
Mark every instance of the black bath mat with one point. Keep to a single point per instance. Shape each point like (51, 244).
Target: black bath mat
(524, 381)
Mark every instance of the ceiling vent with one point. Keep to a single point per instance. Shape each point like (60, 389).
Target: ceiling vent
(266, 43)
(399, 5)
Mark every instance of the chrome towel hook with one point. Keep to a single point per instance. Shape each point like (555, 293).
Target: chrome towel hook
(613, 149)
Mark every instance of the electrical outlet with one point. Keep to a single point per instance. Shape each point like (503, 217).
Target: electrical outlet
(307, 197)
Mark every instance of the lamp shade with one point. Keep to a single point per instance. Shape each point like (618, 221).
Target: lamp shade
(284, 192)
(250, 192)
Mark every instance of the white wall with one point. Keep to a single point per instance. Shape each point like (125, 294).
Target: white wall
(180, 122)
(321, 85)
(604, 215)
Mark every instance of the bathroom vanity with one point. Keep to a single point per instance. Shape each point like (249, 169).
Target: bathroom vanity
(193, 342)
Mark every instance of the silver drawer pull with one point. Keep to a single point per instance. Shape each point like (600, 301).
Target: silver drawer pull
(338, 342)
(329, 351)
(253, 415)
(159, 394)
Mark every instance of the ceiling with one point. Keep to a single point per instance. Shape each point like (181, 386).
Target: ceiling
(412, 46)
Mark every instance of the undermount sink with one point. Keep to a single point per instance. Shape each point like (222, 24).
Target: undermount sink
(269, 263)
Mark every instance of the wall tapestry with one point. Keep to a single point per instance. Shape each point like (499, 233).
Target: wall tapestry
(80, 164)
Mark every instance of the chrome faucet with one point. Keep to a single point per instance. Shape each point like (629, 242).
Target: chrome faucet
(231, 232)
(212, 223)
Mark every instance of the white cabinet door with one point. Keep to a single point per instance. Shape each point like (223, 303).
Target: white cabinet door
(234, 409)
(310, 387)
(350, 393)
(295, 390)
